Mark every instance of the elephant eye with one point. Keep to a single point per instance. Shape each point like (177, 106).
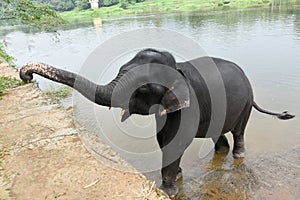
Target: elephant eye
(143, 89)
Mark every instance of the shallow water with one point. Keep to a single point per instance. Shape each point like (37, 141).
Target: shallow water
(265, 43)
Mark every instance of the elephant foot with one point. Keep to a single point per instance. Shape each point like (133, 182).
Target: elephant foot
(170, 190)
(179, 174)
(221, 149)
(239, 153)
(221, 144)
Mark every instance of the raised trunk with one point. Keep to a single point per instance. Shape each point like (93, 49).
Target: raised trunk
(95, 93)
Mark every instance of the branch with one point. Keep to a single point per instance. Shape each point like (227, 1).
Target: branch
(8, 18)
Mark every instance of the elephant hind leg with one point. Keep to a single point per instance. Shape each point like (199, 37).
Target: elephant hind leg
(179, 174)
(221, 144)
(238, 134)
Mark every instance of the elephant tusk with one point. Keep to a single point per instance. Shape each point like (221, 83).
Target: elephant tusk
(123, 112)
(163, 112)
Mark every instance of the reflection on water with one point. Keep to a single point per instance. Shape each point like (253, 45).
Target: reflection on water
(266, 43)
(269, 176)
(223, 178)
(97, 22)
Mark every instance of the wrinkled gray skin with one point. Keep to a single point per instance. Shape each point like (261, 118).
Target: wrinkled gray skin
(186, 92)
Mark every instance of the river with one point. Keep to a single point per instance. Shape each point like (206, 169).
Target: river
(264, 42)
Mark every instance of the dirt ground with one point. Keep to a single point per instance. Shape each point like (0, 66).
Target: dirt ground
(45, 158)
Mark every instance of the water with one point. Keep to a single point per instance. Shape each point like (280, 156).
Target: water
(265, 43)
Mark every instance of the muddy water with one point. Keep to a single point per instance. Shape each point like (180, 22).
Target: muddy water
(266, 43)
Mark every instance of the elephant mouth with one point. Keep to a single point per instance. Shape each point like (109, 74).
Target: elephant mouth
(184, 104)
(144, 110)
(126, 113)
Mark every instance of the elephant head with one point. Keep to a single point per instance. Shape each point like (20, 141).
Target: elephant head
(150, 83)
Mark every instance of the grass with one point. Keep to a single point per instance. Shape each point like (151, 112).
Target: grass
(8, 82)
(163, 6)
(57, 93)
(4, 57)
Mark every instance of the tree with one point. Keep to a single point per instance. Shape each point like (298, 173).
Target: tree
(42, 17)
(27, 12)
(58, 5)
(108, 2)
(65, 5)
(82, 4)
(124, 3)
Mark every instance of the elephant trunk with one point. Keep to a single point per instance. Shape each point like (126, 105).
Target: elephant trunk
(95, 93)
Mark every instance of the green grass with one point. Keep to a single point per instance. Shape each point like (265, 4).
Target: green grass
(8, 82)
(4, 57)
(57, 93)
(163, 6)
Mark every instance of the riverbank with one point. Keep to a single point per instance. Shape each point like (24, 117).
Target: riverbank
(166, 6)
(42, 156)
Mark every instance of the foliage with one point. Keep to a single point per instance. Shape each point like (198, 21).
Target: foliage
(9, 82)
(108, 2)
(129, 7)
(4, 57)
(66, 5)
(82, 4)
(41, 17)
(62, 5)
(58, 5)
(28, 12)
(124, 3)
(57, 93)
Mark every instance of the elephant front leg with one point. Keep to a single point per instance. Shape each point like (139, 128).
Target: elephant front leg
(170, 174)
(173, 138)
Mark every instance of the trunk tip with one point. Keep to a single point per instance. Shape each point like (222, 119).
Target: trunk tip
(25, 75)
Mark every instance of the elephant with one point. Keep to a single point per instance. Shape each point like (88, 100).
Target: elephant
(152, 82)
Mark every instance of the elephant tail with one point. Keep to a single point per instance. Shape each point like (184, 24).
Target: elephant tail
(284, 115)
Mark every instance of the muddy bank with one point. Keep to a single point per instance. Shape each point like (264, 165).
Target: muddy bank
(45, 158)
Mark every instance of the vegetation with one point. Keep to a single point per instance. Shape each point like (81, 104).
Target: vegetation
(27, 12)
(64, 5)
(57, 93)
(39, 16)
(82, 4)
(4, 57)
(127, 7)
(67, 5)
(154, 5)
(8, 82)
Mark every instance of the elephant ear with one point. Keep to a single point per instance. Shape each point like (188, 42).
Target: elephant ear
(177, 96)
